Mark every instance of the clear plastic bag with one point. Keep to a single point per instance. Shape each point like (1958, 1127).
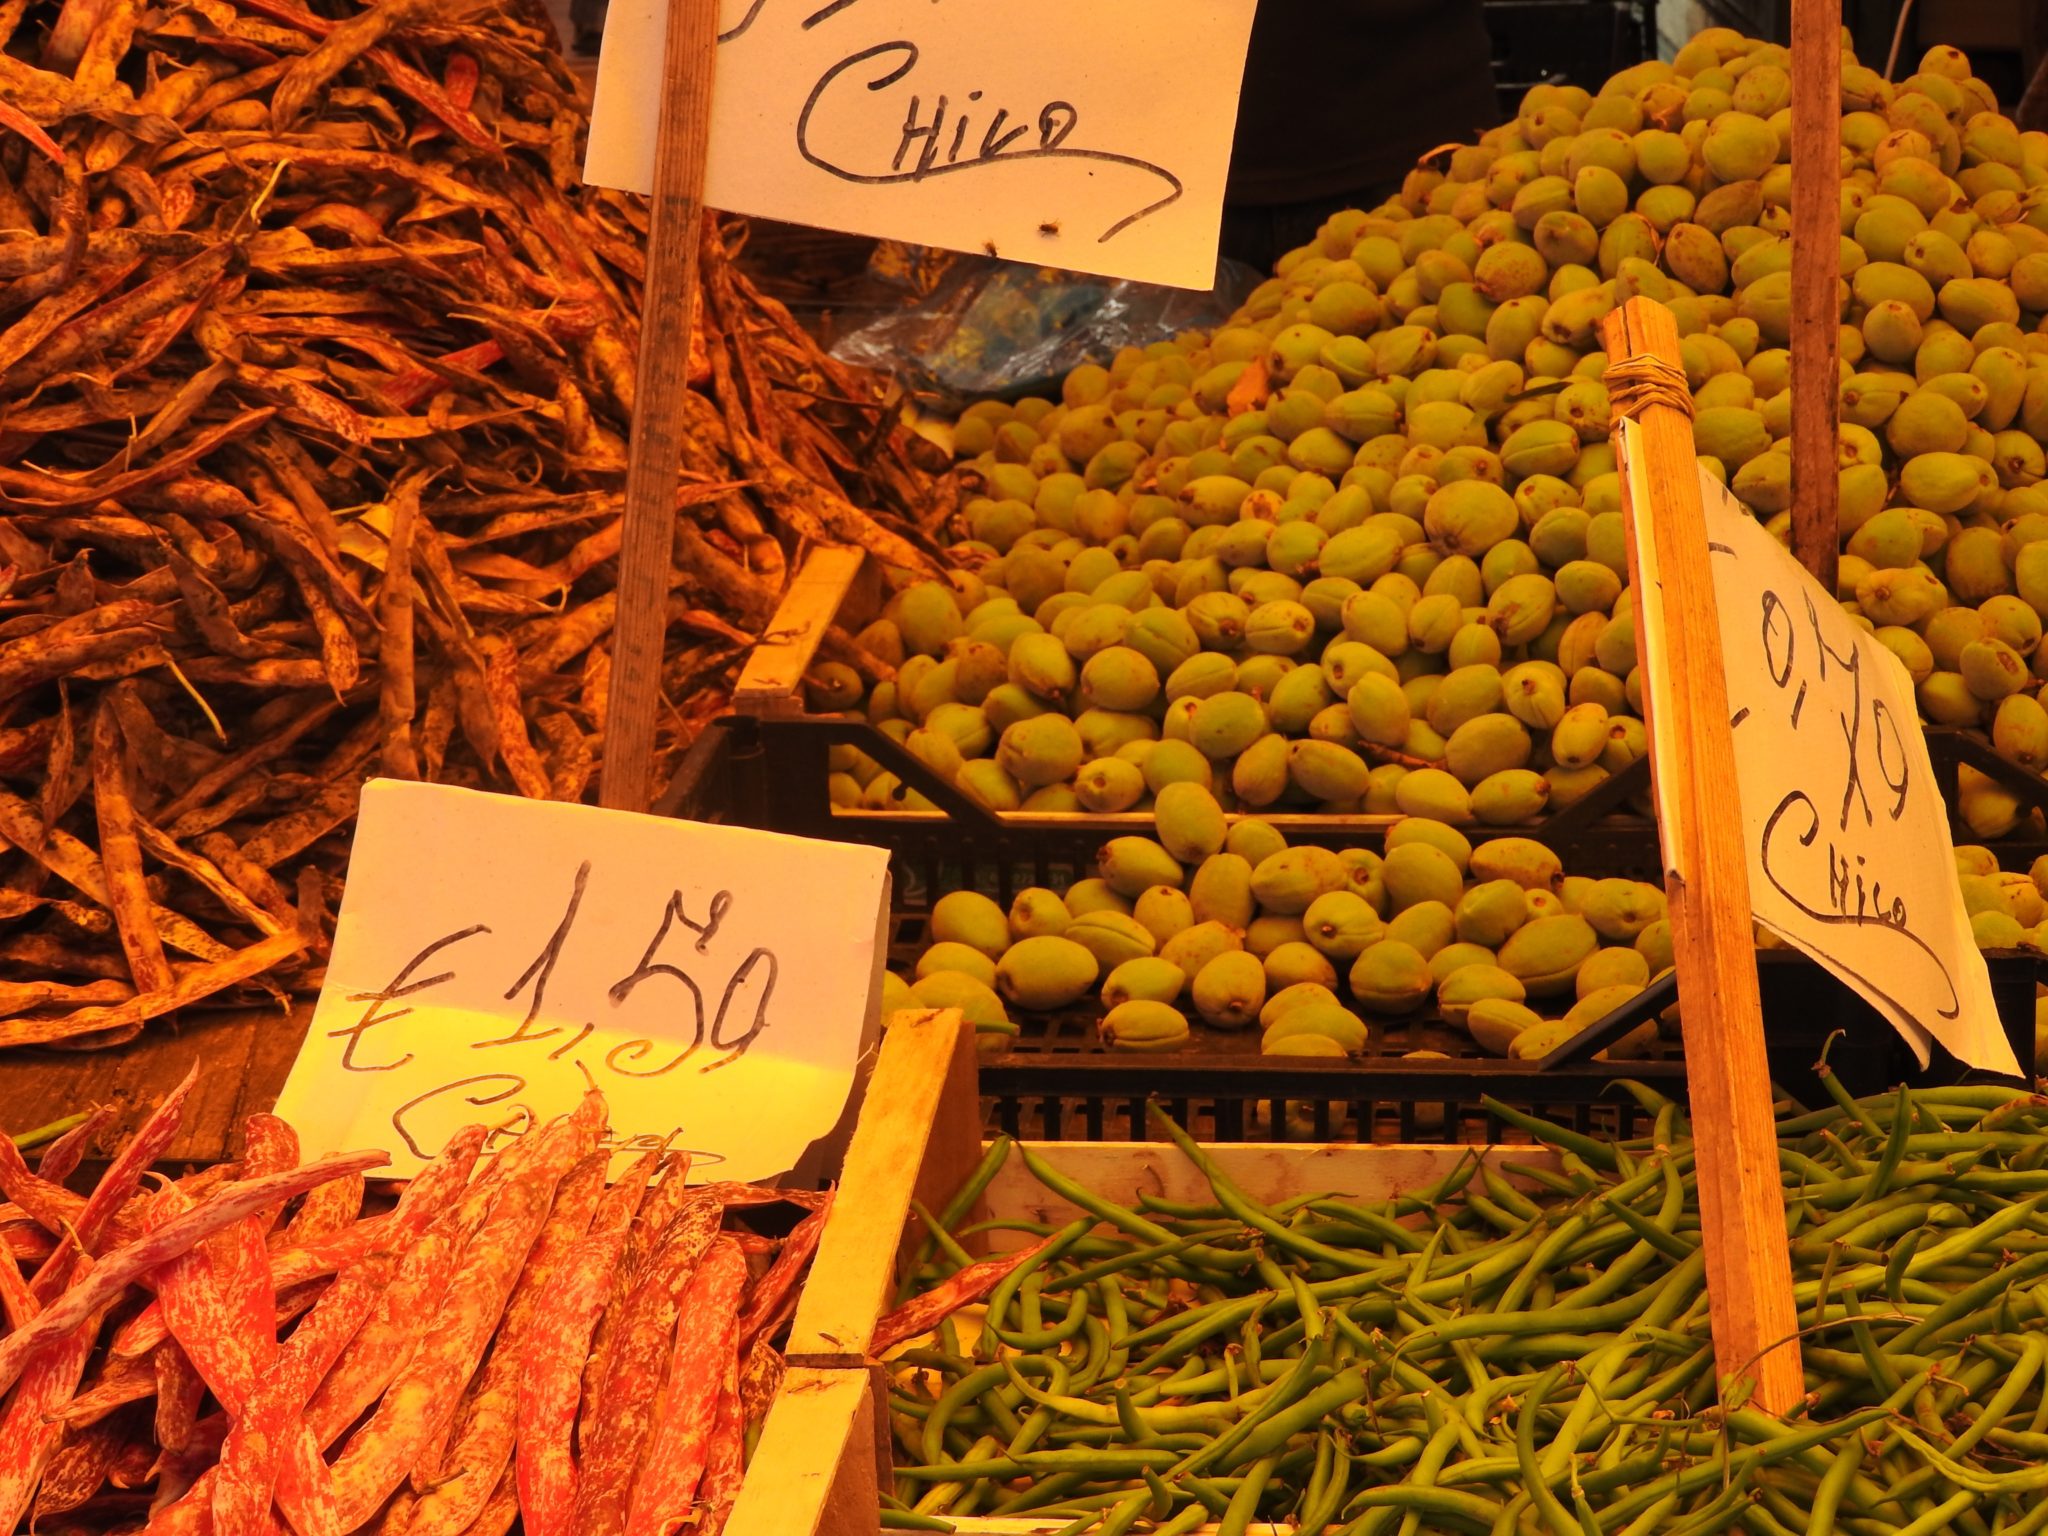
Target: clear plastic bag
(1001, 330)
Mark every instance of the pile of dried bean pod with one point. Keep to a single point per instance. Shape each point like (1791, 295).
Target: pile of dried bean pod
(513, 1339)
(1522, 1350)
(316, 373)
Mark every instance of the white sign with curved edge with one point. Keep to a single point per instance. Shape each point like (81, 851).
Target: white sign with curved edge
(1850, 859)
(1092, 135)
(494, 957)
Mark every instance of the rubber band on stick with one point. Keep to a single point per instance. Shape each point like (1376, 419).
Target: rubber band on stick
(1635, 383)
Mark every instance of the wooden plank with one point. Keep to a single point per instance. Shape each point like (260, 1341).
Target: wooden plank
(772, 681)
(243, 1057)
(1816, 281)
(918, 1136)
(647, 544)
(1742, 1209)
(813, 1473)
(1124, 1170)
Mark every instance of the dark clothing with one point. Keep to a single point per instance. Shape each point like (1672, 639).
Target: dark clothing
(1259, 234)
(1341, 95)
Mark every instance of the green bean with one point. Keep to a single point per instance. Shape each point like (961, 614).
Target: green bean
(1539, 1262)
(1498, 1217)
(1654, 1517)
(1320, 1504)
(1122, 1518)
(1035, 1339)
(1583, 1512)
(1042, 1492)
(1380, 1228)
(1006, 1288)
(1894, 1149)
(1658, 1234)
(2033, 1523)
(1510, 1199)
(2002, 1402)
(1138, 1258)
(1762, 1518)
(936, 1232)
(1125, 1461)
(1245, 1359)
(1120, 1217)
(967, 1389)
(1283, 1424)
(1436, 1503)
(1941, 1516)
(947, 1490)
(1543, 1178)
(1244, 1504)
(1840, 1094)
(1966, 1303)
(1247, 1211)
(1307, 1374)
(907, 1520)
(1596, 1154)
(1555, 1517)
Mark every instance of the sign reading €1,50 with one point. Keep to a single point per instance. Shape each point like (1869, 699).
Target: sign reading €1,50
(1093, 135)
(495, 957)
(1846, 829)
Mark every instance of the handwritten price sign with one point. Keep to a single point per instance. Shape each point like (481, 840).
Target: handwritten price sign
(495, 956)
(1087, 134)
(1849, 852)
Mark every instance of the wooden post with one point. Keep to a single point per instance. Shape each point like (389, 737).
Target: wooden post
(647, 545)
(772, 681)
(1742, 1206)
(819, 1473)
(919, 1137)
(1816, 269)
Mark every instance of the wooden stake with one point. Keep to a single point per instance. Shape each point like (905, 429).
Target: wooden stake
(816, 1444)
(772, 681)
(919, 1137)
(647, 546)
(1742, 1206)
(1816, 268)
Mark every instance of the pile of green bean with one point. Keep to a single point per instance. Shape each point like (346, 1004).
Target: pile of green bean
(1523, 1349)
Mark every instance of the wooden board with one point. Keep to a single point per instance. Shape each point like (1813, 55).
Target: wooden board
(918, 1136)
(243, 1057)
(682, 146)
(814, 1471)
(1124, 1170)
(1728, 1077)
(772, 680)
(1816, 282)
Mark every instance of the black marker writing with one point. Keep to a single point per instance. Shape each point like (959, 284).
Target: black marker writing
(623, 1058)
(401, 985)
(1854, 899)
(403, 1117)
(925, 125)
(543, 967)
(1891, 754)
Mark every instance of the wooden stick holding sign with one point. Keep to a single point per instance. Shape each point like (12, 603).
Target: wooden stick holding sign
(682, 149)
(1816, 282)
(1692, 756)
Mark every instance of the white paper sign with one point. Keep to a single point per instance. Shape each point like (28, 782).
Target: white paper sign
(495, 956)
(1850, 859)
(1092, 135)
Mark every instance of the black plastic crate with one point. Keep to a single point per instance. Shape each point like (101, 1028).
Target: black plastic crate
(1055, 1081)
(771, 772)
